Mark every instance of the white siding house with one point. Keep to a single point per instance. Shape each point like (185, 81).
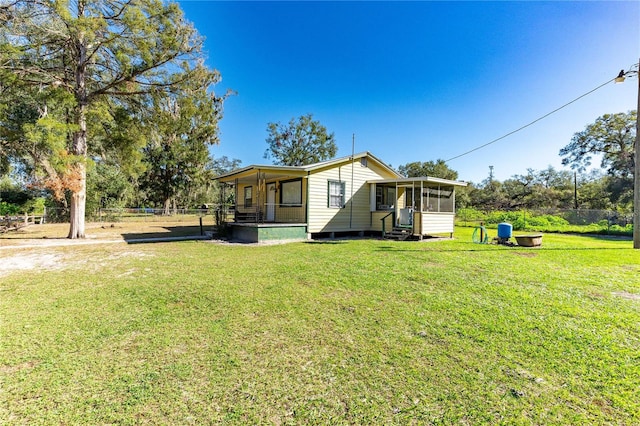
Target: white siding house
(355, 194)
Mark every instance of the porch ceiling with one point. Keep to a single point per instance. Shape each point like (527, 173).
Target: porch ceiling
(266, 175)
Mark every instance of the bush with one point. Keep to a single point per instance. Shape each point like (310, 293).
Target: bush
(15, 200)
(546, 220)
(524, 220)
(8, 209)
(470, 215)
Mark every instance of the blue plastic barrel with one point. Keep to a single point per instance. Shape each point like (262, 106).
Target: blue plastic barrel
(504, 230)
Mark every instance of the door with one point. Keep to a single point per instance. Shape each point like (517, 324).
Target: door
(271, 202)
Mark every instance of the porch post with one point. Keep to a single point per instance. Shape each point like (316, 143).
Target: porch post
(413, 206)
(453, 208)
(428, 199)
(413, 195)
(396, 208)
(257, 207)
(236, 200)
(306, 206)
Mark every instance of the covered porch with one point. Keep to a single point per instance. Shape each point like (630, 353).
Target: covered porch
(265, 203)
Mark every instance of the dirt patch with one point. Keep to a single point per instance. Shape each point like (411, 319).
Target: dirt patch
(26, 262)
(525, 254)
(626, 295)
(50, 261)
(596, 295)
(9, 369)
(55, 234)
(631, 267)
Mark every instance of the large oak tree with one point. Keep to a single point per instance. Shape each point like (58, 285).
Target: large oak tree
(611, 139)
(438, 169)
(92, 51)
(300, 142)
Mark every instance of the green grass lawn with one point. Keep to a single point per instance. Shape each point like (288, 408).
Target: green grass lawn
(330, 332)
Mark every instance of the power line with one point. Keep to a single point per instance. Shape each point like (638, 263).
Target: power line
(529, 124)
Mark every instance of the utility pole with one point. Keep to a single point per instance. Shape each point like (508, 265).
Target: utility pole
(636, 157)
(636, 174)
(353, 148)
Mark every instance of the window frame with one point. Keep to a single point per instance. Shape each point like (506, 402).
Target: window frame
(330, 196)
(385, 196)
(248, 197)
(282, 192)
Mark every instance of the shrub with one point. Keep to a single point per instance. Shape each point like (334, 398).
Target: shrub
(470, 215)
(524, 220)
(8, 209)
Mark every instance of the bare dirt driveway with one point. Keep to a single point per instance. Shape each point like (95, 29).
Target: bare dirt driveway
(25, 249)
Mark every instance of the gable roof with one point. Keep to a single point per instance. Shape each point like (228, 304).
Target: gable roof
(289, 170)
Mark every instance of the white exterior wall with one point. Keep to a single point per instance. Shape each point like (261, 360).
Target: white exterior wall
(356, 217)
(437, 223)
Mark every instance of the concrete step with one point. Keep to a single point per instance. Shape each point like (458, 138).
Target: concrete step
(398, 233)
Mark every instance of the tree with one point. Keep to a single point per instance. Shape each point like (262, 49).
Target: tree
(107, 187)
(16, 199)
(612, 137)
(593, 191)
(224, 165)
(34, 129)
(437, 169)
(182, 127)
(90, 51)
(489, 194)
(300, 142)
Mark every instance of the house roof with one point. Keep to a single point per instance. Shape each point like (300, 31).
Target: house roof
(282, 171)
(423, 179)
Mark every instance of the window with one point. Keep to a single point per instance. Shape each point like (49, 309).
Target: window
(385, 197)
(248, 198)
(336, 194)
(291, 193)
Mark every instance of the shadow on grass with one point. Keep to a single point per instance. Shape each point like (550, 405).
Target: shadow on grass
(521, 249)
(325, 242)
(515, 249)
(167, 233)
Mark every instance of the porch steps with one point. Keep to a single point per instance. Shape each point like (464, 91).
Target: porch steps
(398, 233)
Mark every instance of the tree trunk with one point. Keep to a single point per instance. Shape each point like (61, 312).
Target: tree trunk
(79, 191)
(79, 147)
(78, 204)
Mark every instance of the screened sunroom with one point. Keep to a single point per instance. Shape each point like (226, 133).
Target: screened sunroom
(425, 205)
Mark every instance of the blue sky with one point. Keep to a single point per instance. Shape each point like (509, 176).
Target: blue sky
(421, 81)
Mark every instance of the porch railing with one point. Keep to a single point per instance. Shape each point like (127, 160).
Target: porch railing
(384, 220)
(271, 213)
